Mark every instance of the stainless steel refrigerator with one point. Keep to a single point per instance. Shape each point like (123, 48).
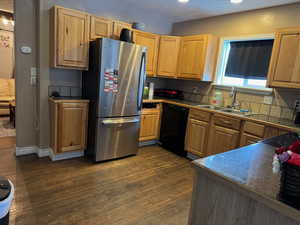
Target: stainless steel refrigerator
(114, 85)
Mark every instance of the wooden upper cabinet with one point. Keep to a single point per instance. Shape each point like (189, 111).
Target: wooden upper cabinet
(72, 122)
(71, 38)
(284, 68)
(117, 28)
(151, 41)
(197, 58)
(101, 28)
(168, 56)
(196, 137)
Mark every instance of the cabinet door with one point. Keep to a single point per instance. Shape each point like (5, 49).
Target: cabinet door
(285, 63)
(168, 56)
(248, 139)
(288, 64)
(117, 28)
(196, 137)
(149, 127)
(271, 132)
(72, 120)
(72, 39)
(223, 140)
(151, 41)
(101, 27)
(192, 57)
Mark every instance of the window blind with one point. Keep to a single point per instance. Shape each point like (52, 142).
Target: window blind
(249, 59)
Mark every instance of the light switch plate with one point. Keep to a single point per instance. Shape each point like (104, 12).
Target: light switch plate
(268, 100)
(33, 74)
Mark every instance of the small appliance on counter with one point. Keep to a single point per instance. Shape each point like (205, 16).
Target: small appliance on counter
(114, 85)
(168, 93)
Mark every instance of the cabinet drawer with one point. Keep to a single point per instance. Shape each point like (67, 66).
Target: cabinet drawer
(254, 128)
(228, 122)
(199, 115)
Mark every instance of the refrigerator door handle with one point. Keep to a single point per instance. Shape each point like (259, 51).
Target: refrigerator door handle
(141, 81)
(119, 121)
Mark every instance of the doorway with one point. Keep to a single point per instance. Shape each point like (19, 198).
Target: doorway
(7, 75)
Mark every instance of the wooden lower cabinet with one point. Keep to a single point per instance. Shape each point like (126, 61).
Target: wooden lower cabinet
(149, 129)
(248, 139)
(68, 126)
(196, 137)
(222, 140)
(273, 132)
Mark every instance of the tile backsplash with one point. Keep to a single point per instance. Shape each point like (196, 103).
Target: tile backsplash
(65, 91)
(281, 100)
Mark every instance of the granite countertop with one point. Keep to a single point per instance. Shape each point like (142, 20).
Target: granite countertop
(283, 123)
(250, 166)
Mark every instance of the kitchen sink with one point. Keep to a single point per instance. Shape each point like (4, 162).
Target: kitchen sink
(224, 109)
(209, 107)
(234, 111)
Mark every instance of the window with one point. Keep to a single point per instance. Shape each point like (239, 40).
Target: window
(244, 62)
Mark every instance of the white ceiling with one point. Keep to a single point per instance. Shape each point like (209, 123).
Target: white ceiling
(176, 12)
(7, 5)
(195, 9)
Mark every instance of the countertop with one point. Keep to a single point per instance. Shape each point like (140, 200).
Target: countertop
(67, 99)
(250, 168)
(264, 119)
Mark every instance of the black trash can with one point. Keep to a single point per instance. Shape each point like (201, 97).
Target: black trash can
(6, 197)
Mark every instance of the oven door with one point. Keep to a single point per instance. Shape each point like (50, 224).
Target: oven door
(117, 137)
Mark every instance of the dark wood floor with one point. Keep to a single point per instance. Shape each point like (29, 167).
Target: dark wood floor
(153, 188)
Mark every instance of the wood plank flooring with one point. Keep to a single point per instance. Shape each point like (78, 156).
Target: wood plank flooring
(153, 188)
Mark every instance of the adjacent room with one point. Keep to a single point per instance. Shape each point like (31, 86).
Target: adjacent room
(7, 74)
(165, 112)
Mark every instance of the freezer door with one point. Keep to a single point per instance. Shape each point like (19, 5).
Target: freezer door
(116, 138)
(122, 79)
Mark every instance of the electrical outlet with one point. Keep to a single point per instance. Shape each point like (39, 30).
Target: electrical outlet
(297, 104)
(268, 100)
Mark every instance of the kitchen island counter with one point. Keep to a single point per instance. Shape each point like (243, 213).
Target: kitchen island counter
(239, 187)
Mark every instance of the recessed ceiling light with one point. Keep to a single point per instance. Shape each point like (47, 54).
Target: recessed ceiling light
(183, 1)
(236, 1)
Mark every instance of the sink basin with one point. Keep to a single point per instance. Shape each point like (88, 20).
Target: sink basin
(209, 107)
(223, 109)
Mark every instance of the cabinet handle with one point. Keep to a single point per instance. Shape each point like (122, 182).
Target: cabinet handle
(67, 30)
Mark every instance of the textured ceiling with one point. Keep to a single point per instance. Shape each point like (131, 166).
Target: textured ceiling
(195, 9)
(7, 5)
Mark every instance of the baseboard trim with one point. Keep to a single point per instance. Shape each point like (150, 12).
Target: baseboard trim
(67, 155)
(45, 152)
(147, 143)
(20, 151)
(41, 152)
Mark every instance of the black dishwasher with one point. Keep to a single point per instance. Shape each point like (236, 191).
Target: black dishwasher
(173, 127)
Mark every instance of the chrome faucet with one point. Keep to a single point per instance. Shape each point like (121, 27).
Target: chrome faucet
(234, 103)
